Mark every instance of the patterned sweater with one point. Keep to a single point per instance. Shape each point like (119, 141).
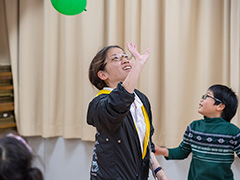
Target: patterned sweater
(212, 142)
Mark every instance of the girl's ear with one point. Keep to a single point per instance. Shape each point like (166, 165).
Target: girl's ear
(102, 75)
(220, 107)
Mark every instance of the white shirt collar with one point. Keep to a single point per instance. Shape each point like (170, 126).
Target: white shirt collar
(108, 88)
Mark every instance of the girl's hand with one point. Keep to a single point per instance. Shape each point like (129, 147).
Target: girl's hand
(132, 48)
(131, 80)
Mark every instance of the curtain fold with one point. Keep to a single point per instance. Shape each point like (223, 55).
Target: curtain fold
(4, 42)
(234, 51)
(194, 44)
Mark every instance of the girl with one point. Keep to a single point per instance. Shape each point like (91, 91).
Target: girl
(121, 115)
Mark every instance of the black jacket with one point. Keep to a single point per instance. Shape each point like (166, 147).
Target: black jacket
(117, 153)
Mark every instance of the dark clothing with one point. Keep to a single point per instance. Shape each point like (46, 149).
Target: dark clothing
(117, 153)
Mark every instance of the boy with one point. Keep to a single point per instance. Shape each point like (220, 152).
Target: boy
(212, 140)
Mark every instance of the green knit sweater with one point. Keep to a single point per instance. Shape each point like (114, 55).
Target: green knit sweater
(212, 142)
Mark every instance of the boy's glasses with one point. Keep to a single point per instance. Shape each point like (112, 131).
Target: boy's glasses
(120, 57)
(205, 96)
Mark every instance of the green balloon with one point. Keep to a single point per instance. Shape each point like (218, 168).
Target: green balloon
(69, 7)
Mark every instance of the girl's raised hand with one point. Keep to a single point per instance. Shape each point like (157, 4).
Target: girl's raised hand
(132, 48)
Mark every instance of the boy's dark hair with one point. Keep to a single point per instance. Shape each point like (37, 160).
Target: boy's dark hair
(98, 64)
(228, 98)
(16, 161)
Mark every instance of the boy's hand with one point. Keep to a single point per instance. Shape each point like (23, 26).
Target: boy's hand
(161, 151)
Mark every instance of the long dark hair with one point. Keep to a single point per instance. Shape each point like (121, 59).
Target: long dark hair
(16, 161)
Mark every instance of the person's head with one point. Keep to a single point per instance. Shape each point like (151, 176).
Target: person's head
(16, 160)
(109, 66)
(219, 101)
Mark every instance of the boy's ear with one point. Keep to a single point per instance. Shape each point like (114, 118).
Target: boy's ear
(102, 75)
(220, 107)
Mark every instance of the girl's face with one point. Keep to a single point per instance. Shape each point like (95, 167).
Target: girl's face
(117, 67)
(207, 107)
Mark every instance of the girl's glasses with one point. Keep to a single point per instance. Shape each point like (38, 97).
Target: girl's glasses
(205, 96)
(120, 57)
(117, 57)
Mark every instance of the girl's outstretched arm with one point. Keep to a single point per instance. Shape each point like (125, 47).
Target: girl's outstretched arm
(131, 80)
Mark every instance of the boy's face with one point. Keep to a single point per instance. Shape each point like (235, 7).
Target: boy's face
(207, 107)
